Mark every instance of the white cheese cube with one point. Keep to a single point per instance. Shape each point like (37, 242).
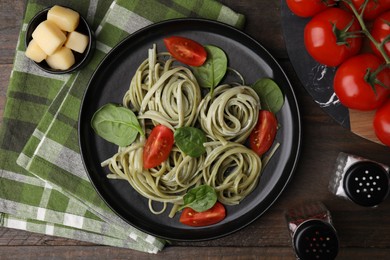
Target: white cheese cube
(77, 41)
(35, 52)
(63, 17)
(49, 37)
(62, 59)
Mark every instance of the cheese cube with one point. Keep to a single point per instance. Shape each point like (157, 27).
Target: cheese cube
(77, 41)
(35, 52)
(62, 59)
(63, 17)
(49, 37)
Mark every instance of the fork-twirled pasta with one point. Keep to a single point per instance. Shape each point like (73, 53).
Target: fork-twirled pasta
(230, 114)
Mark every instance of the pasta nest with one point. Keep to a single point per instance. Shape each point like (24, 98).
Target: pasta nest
(230, 114)
(163, 93)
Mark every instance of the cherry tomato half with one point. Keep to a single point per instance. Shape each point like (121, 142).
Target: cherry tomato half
(380, 30)
(211, 216)
(263, 135)
(351, 87)
(308, 8)
(373, 8)
(382, 123)
(158, 146)
(322, 43)
(186, 50)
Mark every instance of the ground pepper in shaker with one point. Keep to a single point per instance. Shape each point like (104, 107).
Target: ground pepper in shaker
(363, 181)
(312, 233)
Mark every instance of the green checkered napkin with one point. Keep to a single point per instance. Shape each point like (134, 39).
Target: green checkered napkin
(43, 185)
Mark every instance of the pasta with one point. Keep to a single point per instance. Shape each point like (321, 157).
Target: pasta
(167, 183)
(231, 114)
(165, 94)
(232, 170)
(161, 93)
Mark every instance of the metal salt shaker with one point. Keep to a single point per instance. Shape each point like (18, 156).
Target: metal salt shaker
(363, 181)
(312, 233)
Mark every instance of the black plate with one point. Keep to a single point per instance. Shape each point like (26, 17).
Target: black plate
(110, 82)
(316, 78)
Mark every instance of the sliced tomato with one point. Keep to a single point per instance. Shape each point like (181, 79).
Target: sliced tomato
(211, 216)
(158, 146)
(186, 50)
(263, 135)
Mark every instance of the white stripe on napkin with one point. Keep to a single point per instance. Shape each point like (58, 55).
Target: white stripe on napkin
(73, 220)
(63, 157)
(133, 23)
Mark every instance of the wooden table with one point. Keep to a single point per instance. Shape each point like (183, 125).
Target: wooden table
(364, 233)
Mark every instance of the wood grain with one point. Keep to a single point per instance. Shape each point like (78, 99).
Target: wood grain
(364, 233)
(11, 13)
(362, 124)
(228, 253)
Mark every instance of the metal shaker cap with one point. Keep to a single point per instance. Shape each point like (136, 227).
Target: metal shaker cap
(316, 239)
(366, 183)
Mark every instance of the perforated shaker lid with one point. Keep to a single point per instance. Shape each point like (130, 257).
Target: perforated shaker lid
(366, 183)
(316, 239)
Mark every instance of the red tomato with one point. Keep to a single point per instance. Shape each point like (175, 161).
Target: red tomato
(322, 43)
(373, 8)
(382, 123)
(351, 87)
(211, 216)
(380, 30)
(263, 135)
(308, 8)
(158, 146)
(186, 50)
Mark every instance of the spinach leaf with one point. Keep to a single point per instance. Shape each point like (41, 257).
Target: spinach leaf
(271, 97)
(213, 70)
(200, 198)
(190, 140)
(116, 124)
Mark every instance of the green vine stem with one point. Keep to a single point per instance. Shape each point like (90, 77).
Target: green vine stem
(359, 17)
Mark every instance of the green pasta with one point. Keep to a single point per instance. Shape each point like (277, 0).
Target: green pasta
(231, 114)
(162, 93)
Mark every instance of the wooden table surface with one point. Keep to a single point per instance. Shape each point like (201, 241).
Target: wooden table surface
(364, 232)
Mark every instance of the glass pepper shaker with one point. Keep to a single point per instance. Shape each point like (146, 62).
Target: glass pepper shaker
(363, 181)
(312, 233)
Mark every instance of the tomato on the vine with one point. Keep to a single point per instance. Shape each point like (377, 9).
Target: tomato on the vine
(380, 31)
(355, 82)
(330, 36)
(158, 146)
(382, 123)
(199, 219)
(263, 135)
(186, 50)
(308, 8)
(373, 8)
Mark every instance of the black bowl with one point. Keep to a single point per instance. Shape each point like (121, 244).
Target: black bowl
(80, 58)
